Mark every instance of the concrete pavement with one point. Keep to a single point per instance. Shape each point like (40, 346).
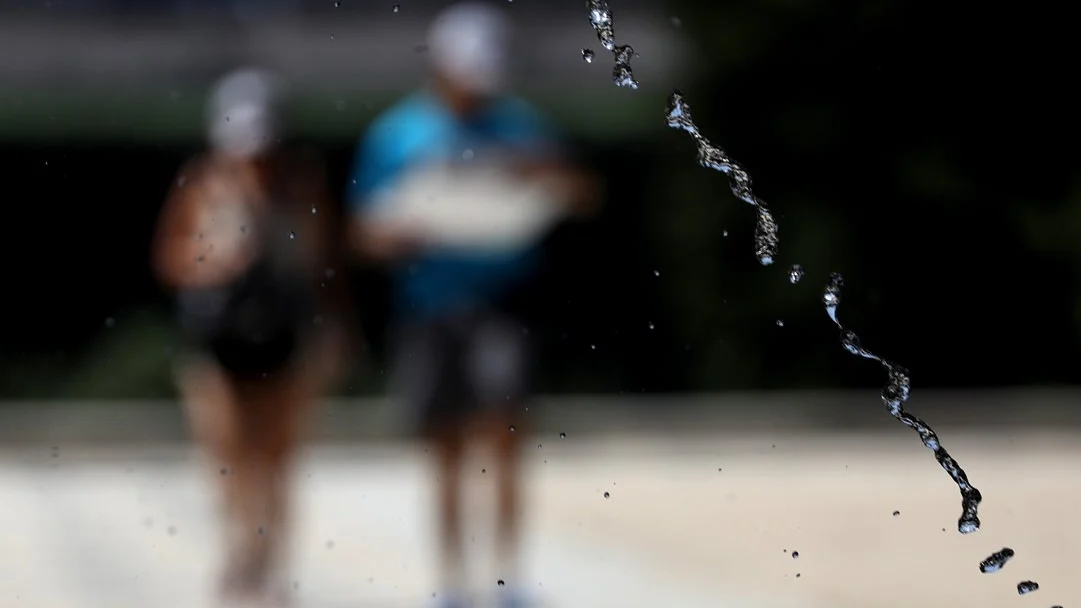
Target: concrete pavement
(688, 523)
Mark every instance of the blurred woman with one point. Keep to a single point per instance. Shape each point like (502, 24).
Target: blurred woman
(245, 242)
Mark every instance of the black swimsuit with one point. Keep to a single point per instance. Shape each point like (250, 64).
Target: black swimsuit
(255, 325)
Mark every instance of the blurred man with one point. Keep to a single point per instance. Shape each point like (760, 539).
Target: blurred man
(244, 240)
(461, 353)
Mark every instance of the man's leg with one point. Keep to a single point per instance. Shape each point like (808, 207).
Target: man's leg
(507, 447)
(447, 447)
(499, 369)
(427, 380)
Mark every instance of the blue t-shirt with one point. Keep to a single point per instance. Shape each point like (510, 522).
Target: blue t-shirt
(419, 130)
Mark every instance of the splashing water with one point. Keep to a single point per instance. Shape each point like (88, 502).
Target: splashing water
(587, 55)
(713, 157)
(996, 560)
(898, 386)
(600, 17)
(894, 395)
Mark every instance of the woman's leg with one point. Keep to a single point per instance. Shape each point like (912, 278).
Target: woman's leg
(275, 412)
(211, 403)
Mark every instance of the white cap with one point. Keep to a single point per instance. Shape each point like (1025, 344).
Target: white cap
(242, 113)
(468, 44)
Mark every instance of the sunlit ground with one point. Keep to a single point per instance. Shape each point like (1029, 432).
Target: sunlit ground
(703, 522)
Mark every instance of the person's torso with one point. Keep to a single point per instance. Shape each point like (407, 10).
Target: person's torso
(266, 212)
(445, 279)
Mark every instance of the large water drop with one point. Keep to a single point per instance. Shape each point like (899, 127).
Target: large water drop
(1026, 587)
(996, 560)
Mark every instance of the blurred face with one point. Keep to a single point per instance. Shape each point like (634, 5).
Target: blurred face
(468, 49)
(243, 131)
(241, 114)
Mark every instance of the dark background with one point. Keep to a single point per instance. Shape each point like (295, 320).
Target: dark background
(926, 153)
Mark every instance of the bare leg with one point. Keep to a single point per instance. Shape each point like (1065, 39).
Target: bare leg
(211, 404)
(448, 448)
(250, 433)
(276, 415)
(507, 448)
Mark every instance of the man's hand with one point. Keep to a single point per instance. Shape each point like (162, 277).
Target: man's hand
(580, 192)
(386, 243)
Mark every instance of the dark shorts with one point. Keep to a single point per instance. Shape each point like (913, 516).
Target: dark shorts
(451, 368)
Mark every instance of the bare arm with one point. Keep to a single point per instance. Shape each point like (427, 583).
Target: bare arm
(180, 255)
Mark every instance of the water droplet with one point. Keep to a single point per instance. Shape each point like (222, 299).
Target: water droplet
(511, 428)
(313, 209)
(656, 273)
(292, 235)
(593, 347)
(678, 116)
(337, 3)
(1026, 587)
(724, 233)
(468, 154)
(500, 582)
(996, 560)
(896, 513)
(587, 55)
(172, 530)
(795, 274)
(607, 495)
(795, 555)
(562, 435)
(397, 8)
(651, 326)
(600, 17)
(621, 71)
(798, 575)
(780, 323)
